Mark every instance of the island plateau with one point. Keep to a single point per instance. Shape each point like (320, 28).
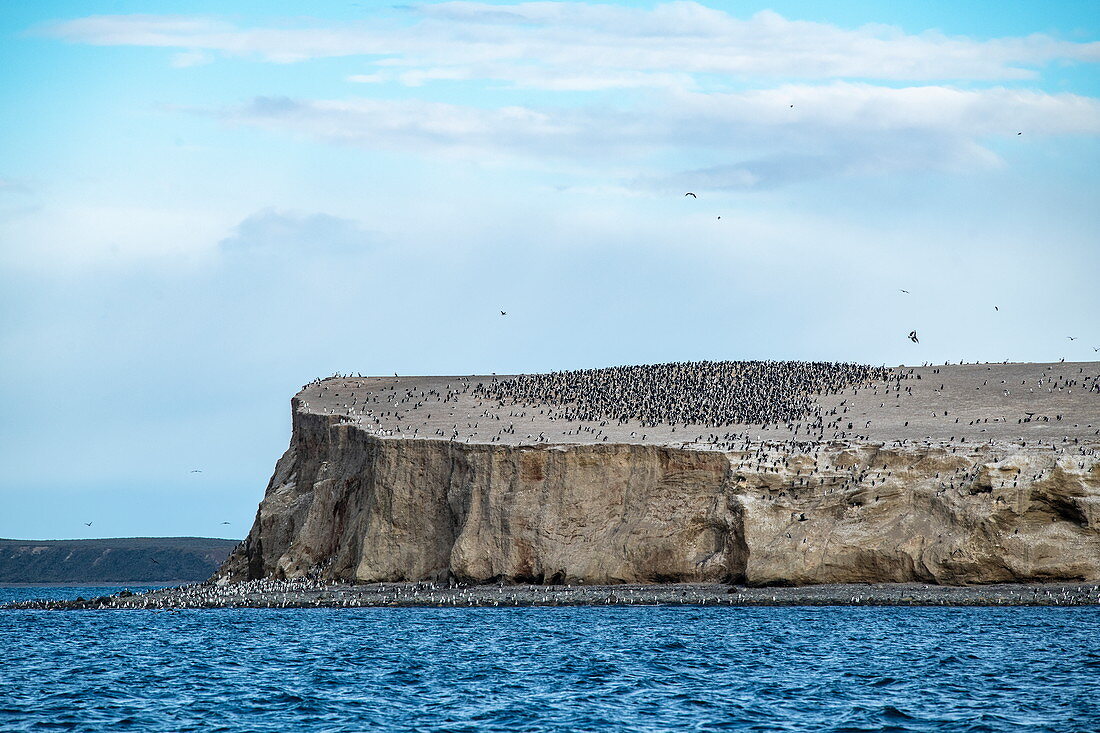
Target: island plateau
(748, 473)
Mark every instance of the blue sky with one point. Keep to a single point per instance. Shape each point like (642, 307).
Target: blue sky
(205, 205)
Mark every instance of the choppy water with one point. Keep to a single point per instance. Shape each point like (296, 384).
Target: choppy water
(568, 669)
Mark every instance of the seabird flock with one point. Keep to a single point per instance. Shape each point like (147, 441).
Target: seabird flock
(706, 393)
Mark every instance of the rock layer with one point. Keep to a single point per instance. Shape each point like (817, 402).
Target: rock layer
(346, 504)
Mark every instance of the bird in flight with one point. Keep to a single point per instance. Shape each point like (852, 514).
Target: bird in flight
(225, 522)
(913, 337)
(1019, 133)
(154, 561)
(996, 308)
(87, 524)
(504, 313)
(689, 193)
(904, 291)
(196, 470)
(1072, 338)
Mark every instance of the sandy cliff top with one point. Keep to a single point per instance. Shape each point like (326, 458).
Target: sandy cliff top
(971, 403)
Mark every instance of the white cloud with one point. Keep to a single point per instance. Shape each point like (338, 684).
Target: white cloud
(191, 58)
(431, 127)
(685, 57)
(560, 45)
(376, 78)
(756, 138)
(290, 233)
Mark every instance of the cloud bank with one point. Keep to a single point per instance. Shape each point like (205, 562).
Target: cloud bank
(579, 46)
(767, 137)
(283, 233)
(660, 83)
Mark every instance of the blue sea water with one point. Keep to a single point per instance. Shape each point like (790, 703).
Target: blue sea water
(549, 669)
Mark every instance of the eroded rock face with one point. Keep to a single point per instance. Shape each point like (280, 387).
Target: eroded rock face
(350, 505)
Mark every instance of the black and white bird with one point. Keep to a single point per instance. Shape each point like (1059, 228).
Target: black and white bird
(913, 337)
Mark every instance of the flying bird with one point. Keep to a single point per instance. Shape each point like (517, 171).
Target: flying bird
(87, 524)
(904, 291)
(1019, 133)
(154, 561)
(1072, 338)
(913, 337)
(996, 308)
(689, 193)
(504, 313)
(196, 470)
(225, 522)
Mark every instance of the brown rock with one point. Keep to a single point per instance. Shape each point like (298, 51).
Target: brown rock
(346, 504)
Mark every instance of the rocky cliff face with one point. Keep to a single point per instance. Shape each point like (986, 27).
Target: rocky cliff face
(346, 504)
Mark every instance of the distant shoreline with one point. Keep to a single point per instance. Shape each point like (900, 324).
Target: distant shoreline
(316, 594)
(103, 584)
(146, 561)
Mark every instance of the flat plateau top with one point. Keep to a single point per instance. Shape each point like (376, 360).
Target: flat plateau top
(962, 403)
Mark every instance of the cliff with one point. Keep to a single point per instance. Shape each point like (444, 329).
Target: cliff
(346, 503)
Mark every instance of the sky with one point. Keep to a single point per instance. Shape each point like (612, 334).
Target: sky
(205, 205)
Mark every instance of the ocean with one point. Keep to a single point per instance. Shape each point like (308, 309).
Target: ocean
(548, 669)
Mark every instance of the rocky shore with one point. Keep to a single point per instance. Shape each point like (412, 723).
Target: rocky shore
(303, 593)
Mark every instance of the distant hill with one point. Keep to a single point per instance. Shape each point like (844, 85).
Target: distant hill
(149, 559)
